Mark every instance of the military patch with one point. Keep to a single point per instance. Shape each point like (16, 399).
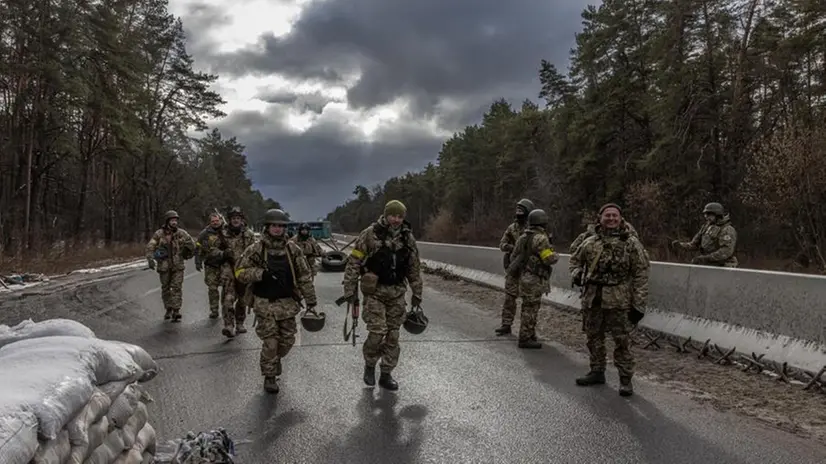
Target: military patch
(726, 238)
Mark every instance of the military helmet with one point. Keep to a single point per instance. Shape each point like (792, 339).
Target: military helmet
(304, 226)
(525, 204)
(714, 208)
(538, 217)
(171, 214)
(276, 216)
(313, 321)
(235, 211)
(415, 321)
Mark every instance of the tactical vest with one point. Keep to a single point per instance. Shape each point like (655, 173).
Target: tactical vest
(614, 262)
(535, 265)
(283, 286)
(390, 266)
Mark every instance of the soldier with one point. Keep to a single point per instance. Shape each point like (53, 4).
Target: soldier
(385, 256)
(211, 250)
(309, 246)
(280, 277)
(167, 252)
(532, 262)
(716, 240)
(591, 230)
(236, 298)
(512, 233)
(612, 268)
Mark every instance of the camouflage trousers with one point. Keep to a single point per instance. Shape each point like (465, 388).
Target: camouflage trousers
(234, 308)
(212, 279)
(531, 288)
(383, 318)
(596, 322)
(172, 283)
(511, 294)
(277, 332)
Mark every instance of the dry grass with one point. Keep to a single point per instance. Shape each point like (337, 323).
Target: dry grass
(61, 261)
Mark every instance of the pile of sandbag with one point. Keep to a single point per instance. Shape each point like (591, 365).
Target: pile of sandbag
(69, 397)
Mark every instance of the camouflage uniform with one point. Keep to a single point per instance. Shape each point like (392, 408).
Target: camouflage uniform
(280, 277)
(210, 253)
(309, 246)
(716, 240)
(167, 252)
(237, 296)
(591, 230)
(512, 233)
(532, 263)
(613, 267)
(392, 255)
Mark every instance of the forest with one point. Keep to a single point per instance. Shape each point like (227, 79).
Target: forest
(666, 105)
(103, 127)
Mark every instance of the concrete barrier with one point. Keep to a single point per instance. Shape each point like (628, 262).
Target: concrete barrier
(779, 314)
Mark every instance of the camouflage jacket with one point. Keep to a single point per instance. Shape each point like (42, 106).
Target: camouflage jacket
(168, 249)
(238, 242)
(309, 246)
(253, 263)
(615, 264)
(592, 229)
(210, 246)
(534, 253)
(369, 243)
(717, 242)
(510, 236)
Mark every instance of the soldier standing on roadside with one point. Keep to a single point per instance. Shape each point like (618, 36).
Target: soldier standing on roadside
(235, 299)
(512, 233)
(590, 230)
(167, 252)
(532, 263)
(211, 251)
(280, 277)
(612, 267)
(716, 240)
(386, 258)
(309, 246)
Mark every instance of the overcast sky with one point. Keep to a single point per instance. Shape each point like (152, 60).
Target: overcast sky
(328, 94)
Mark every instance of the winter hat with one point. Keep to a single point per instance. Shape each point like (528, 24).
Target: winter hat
(610, 205)
(395, 208)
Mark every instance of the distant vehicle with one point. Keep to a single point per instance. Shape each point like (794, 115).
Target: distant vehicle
(320, 229)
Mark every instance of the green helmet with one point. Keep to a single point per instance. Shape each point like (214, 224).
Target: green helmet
(538, 217)
(171, 214)
(525, 204)
(235, 211)
(714, 208)
(304, 226)
(276, 216)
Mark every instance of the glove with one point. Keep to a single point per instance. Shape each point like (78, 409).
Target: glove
(700, 260)
(635, 315)
(415, 301)
(199, 267)
(151, 263)
(576, 278)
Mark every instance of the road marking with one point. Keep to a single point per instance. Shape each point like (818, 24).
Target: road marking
(144, 295)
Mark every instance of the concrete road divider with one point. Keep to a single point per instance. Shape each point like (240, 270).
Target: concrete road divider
(779, 315)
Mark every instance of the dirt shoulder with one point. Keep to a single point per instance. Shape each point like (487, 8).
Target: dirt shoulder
(727, 388)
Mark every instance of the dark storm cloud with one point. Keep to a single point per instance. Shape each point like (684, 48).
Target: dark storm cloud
(304, 102)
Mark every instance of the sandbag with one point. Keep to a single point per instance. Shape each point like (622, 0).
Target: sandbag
(18, 437)
(97, 433)
(54, 451)
(114, 389)
(48, 328)
(146, 440)
(105, 453)
(148, 458)
(142, 358)
(96, 408)
(132, 456)
(124, 406)
(129, 432)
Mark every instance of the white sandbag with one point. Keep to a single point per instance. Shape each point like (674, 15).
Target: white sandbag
(124, 406)
(114, 389)
(148, 458)
(142, 358)
(106, 453)
(48, 328)
(97, 433)
(54, 451)
(146, 440)
(96, 408)
(18, 437)
(129, 432)
(132, 456)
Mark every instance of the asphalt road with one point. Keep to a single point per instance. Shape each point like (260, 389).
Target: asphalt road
(465, 396)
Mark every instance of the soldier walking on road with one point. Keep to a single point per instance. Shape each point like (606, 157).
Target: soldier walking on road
(532, 263)
(612, 267)
(211, 251)
(167, 252)
(236, 295)
(309, 246)
(280, 277)
(512, 233)
(716, 240)
(386, 259)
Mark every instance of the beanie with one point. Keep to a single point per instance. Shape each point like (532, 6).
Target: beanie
(395, 208)
(610, 205)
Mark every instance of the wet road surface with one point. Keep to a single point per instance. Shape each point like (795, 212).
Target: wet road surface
(465, 395)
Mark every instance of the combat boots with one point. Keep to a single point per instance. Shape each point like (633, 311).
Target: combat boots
(530, 344)
(168, 315)
(386, 381)
(239, 328)
(626, 388)
(369, 375)
(213, 314)
(505, 329)
(271, 384)
(591, 378)
(176, 315)
(228, 331)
